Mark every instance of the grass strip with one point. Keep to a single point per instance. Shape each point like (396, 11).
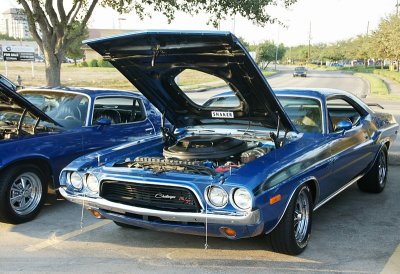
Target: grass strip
(377, 86)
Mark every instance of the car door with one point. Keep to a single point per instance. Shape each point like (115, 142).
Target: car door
(128, 119)
(352, 150)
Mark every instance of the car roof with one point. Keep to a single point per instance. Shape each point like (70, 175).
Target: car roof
(90, 91)
(313, 92)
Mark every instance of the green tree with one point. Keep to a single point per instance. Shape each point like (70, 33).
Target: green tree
(386, 40)
(6, 37)
(244, 42)
(296, 54)
(74, 50)
(52, 25)
(267, 52)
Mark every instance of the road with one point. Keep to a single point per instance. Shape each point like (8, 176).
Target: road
(353, 233)
(320, 79)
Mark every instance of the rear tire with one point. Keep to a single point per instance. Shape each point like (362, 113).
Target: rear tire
(126, 225)
(374, 181)
(23, 190)
(293, 232)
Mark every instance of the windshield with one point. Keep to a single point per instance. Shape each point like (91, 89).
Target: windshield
(229, 101)
(305, 113)
(68, 109)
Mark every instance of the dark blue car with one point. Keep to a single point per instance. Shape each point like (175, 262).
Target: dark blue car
(42, 130)
(234, 168)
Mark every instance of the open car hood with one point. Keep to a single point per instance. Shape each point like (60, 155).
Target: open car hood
(10, 98)
(151, 60)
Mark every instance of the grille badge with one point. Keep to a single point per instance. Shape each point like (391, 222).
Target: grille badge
(164, 196)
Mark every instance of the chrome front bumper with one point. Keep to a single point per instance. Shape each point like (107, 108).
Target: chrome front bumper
(215, 217)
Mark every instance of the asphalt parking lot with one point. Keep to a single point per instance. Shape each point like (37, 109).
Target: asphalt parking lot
(355, 232)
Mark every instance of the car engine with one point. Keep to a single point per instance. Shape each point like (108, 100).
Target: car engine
(204, 154)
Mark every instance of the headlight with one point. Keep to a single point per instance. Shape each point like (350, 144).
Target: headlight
(76, 180)
(242, 198)
(217, 196)
(92, 182)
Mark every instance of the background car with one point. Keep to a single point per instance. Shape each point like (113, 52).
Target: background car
(300, 71)
(42, 130)
(243, 168)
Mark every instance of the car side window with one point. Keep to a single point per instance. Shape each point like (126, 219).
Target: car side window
(305, 113)
(341, 110)
(120, 110)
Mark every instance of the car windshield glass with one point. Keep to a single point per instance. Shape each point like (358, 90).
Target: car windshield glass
(68, 109)
(222, 101)
(305, 113)
(299, 69)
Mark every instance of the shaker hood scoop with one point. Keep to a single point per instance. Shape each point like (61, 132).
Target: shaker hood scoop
(151, 60)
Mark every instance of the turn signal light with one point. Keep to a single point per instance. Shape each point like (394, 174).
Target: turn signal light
(95, 213)
(229, 232)
(275, 199)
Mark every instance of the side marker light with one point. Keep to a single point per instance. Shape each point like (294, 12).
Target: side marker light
(275, 199)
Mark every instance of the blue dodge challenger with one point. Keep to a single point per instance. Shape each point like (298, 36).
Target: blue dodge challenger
(42, 130)
(259, 164)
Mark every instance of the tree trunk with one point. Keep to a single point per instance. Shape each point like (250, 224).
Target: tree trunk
(53, 69)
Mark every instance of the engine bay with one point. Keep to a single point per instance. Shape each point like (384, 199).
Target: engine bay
(204, 154)
(11, 130)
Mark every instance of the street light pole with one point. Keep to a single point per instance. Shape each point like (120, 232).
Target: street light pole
(309, 44)
(277, 49)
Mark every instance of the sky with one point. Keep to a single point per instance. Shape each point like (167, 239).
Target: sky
(330, 20)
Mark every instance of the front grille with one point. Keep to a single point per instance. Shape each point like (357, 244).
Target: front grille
(160, 197)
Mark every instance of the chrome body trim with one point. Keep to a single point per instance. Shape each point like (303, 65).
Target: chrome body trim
(337, 192)
(223, 218)
(119, 96)
(323, 111)
(155, 183)
(63, 91)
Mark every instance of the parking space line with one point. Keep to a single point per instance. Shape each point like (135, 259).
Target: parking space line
(393, 264)
(58, 239)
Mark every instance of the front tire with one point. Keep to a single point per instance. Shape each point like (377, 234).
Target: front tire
(293, 232)
(23, 190)
(374, 181)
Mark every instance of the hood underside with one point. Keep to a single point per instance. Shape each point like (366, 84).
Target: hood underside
(151, 60)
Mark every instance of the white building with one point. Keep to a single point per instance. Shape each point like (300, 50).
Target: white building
(14, 23)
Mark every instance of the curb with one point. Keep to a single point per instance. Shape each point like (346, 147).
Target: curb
(394, 158)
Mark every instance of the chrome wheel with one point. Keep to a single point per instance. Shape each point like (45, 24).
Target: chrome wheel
(25, 193)
(301, 218)
(382, 168)
(293, 232)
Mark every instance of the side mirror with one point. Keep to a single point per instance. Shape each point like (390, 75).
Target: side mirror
(343, 125)
(103, 121)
